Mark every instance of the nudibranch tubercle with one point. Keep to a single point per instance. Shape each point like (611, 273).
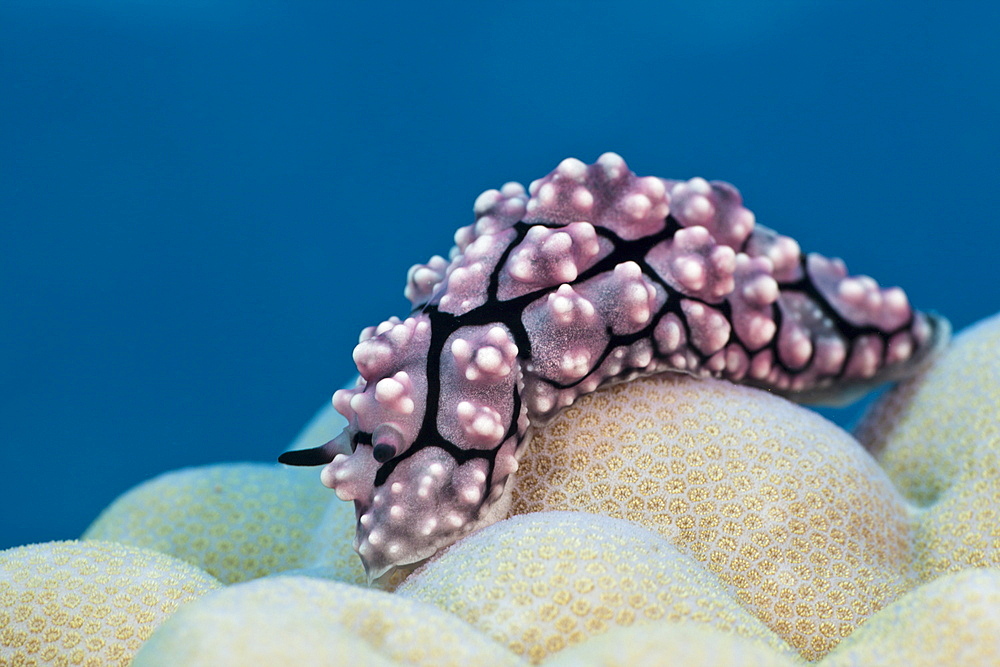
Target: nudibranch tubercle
(593, 276)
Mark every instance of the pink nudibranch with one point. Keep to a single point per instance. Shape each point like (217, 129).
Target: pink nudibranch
(593, 276)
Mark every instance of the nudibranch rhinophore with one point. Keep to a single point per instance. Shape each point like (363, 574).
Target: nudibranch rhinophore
(593, 276)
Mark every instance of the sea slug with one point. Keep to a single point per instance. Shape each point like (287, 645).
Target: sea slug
(599, 276)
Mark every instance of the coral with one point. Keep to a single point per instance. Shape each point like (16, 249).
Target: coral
(937, 436)
(541, 582)
(954, 620)
(674, 643)
(329, 549)
(88, 603)
(304, 621)
(780, 504)
(931, 430)
(593, 276)
(236, 521)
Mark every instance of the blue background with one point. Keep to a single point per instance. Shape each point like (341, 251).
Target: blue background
(202, 202)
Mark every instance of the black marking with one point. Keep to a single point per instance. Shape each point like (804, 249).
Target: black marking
(383, 452)
(316, 456)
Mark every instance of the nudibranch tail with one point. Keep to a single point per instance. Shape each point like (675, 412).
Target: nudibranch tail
(592, 276)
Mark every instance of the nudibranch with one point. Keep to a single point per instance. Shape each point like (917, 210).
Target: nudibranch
(592, 276)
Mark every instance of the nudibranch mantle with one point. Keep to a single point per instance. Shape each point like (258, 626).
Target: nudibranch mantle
(592, 276)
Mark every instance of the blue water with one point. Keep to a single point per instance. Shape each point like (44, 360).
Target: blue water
(203, 202)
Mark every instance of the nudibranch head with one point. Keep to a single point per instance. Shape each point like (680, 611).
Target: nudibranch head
(411, 499)
(592, 276)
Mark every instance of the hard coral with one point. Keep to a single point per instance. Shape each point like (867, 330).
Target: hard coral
(302, 621)
(88, 603)
(781, 505)
(539, 583)
(237, 521)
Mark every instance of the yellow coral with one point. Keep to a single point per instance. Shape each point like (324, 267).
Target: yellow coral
(331, 552)
(961, 529)
(938, 437)
(303, 621)
(236, 521)
(954, 620)
(782, 505)
(330, 548)
(541, 582)
(931, 431)
(681, 643)
(87, 603)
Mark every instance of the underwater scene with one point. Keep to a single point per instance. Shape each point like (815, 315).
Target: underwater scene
(586, 333)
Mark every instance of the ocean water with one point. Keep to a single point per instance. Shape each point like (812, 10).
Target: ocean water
(203, 202)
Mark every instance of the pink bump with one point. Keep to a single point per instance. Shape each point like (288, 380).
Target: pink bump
(794, 345)
(395, 393)
(488, 357)
(575, 364)
(342, 402)
(737, 362)
(866, 357)
(482, 424)
(463, 237)
(496, 211)
(900, 348)
(400, 335)
(613, 166)
(606, 194)
(640, 354)
(573, 169)
(583, 200)
(637, 206)
(373, 357)
(548, 257)
(546, 195)
(757, 286)
(829, 356)
(422, 279)
(717, 206)
(669, 334)
(567, 306)
(486, 201)
(709, 328)
(699, 210)
(351, 476)
(761, 365)
(859, 299)
(782, 251)
(693, 264)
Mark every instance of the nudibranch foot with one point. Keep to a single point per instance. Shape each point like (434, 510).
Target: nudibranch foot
(591, 276)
